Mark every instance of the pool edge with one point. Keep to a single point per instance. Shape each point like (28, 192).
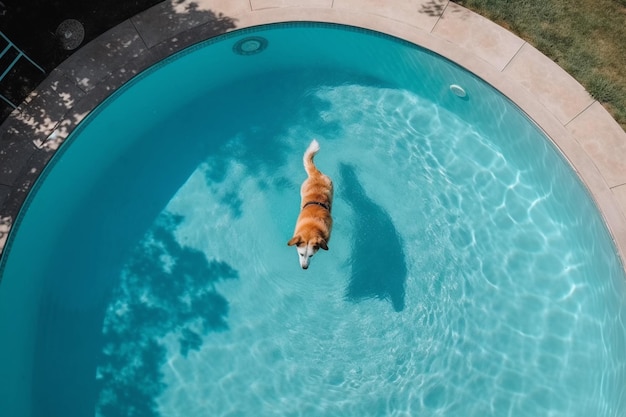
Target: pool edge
(32, 133)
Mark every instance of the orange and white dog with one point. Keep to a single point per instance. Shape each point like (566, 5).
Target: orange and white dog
(314, 222)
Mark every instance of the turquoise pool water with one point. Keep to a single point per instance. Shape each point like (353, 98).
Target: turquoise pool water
(469, 273)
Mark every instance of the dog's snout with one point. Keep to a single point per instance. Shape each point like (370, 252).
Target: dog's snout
(305, 267)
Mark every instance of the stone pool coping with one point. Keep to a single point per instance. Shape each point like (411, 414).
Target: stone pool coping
(582, 129)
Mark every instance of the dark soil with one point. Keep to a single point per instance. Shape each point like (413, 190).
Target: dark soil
(31, 26)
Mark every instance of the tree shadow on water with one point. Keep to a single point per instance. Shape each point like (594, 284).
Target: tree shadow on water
(253, 119)
(378, 262)
(261, 112)
(166, 290)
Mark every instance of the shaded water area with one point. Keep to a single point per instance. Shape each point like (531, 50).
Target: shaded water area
(376, 239)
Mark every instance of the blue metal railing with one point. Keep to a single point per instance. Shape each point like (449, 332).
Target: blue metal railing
(10, 45)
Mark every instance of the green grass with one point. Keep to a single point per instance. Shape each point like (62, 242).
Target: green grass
(587, 38)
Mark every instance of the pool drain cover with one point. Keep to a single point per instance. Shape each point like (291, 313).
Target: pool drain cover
(250, 45)
(70, 34)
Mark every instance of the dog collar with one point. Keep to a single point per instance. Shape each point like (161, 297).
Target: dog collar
(326, 206)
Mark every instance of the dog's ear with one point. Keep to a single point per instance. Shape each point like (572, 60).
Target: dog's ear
(294, 241)
(323, 244)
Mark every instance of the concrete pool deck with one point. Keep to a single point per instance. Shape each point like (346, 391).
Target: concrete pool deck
(582, 129)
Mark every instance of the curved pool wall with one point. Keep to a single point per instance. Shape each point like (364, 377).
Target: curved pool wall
(122, 126)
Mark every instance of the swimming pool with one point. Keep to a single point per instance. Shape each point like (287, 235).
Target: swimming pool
(468, 273)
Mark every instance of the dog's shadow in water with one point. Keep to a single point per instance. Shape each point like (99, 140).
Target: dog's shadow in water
(377, 259)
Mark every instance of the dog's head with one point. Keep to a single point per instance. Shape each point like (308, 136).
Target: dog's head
(307, 248)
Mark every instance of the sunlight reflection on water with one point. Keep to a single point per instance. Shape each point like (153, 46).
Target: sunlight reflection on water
(486, 296)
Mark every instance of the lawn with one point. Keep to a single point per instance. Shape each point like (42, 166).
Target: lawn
(587, 38)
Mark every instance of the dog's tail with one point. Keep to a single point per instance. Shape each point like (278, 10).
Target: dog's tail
(310, 152)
